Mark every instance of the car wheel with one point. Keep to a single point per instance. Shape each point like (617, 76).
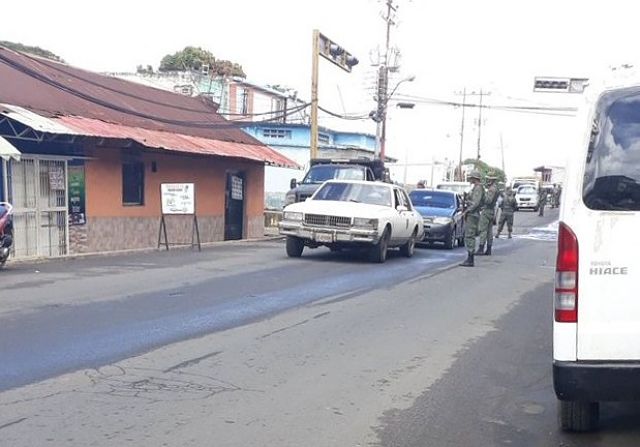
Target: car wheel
(409, 248)
(295, 246)
(378, 252)
(578, 416)
(449, 241)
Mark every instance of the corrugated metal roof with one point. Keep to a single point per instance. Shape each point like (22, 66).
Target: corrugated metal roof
(110, 105)
(174, 142)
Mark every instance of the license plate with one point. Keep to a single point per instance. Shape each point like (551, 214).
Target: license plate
(324, 237)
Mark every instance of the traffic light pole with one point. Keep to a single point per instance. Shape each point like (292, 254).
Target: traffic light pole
(315, 63)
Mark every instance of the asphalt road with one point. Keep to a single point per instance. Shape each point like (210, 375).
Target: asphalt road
(240, 346)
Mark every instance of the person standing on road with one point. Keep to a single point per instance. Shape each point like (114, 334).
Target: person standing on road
(508, 207)
(487, 216)
(471, 214)
(542, 200)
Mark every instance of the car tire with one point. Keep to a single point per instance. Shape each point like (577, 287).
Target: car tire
(578, 416)
(378, 252)
(449, 241)
(408, 249)
(295, 246)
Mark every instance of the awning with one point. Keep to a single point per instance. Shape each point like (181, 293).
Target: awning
(8, 150)
(157, 139)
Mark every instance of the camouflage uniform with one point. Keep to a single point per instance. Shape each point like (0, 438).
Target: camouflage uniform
(475, 199)
(487, 217)
(542, 201)
(508, 206)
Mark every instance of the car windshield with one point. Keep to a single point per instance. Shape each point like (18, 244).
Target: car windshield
(433, 199)
(526, 190)
(371, 194)
(612, 174)
(322, 173)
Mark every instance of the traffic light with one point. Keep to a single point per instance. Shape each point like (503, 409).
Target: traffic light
(336, 54)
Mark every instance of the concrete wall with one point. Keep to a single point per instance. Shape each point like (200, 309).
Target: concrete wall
(114, 226)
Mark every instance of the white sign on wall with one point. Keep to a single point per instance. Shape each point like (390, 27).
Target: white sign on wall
(178, 198)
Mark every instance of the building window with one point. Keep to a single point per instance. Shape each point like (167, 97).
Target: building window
(276, 133)
(133, 183)
(324, 138)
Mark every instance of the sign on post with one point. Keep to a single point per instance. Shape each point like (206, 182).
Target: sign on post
(178, 199)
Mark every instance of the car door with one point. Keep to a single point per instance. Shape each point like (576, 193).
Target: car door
(401, 217)
(414, 217)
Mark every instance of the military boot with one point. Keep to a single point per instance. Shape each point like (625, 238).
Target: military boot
(480, 250)
(509, 235)
(469, 261)
(498, 235)
(488, 252)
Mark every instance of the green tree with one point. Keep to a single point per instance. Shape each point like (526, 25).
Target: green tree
(484, 169)
(194, 58)
(36, 51)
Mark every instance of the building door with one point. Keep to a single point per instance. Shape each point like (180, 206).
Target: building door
(234, 207)
(38, 192)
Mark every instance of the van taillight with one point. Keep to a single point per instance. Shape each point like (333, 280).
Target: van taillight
(566, 287)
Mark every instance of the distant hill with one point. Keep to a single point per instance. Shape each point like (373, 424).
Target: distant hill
(36, 51)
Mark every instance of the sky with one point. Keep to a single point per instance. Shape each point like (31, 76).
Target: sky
(496, 46)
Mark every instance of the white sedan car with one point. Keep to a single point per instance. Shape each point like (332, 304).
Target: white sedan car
(353, 214)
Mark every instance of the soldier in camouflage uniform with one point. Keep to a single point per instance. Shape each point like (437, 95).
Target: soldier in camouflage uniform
(474, 201)
(542, 200)
(488, 216)
(508, 206)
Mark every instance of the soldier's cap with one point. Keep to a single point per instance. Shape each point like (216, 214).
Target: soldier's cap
(474, 174)
(492, 176)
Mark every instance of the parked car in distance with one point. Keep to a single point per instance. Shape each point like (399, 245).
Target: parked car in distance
(323, 169)
(441, 212)
(353, 214)
(527, 197)
(596, 328)
(458, 187)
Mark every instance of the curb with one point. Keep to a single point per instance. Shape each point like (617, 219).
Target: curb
(105, 254)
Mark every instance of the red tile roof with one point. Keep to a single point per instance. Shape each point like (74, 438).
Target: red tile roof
(103, 106)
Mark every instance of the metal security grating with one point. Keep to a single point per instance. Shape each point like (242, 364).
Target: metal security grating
(327, 221)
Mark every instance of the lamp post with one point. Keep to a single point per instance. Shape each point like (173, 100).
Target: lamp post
(381, 114)
(334, 53)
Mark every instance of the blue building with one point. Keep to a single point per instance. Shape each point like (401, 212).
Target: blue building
(292, 140)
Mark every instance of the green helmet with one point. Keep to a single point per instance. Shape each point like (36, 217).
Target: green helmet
(491, 175)
(474, 174)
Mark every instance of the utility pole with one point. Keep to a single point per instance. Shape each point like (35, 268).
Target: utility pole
(502, 152)
(464, 104)
(479, 123)
(383, 83)
(315, 62)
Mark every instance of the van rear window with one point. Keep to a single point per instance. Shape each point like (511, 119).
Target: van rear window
(612, 168)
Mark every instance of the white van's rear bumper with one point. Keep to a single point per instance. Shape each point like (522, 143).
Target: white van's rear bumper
(597, 381)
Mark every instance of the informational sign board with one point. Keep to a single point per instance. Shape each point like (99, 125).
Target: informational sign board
(77, 196)
(56, 178)
(178, 198)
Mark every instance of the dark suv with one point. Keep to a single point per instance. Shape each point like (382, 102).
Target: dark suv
(322, 170)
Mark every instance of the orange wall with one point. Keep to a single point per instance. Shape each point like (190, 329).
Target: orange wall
(104, 183)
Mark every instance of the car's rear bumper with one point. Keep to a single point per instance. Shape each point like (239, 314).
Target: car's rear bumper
(597, 381)
(436, 232)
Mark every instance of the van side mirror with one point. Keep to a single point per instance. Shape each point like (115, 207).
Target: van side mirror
(293, 183)
(402, 208)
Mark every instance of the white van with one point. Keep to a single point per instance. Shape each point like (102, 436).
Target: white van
(596, 329)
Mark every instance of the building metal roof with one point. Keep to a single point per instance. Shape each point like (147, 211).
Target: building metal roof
(49, 94)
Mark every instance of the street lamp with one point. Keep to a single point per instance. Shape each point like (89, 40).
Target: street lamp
(334, 53)
(381, 115)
